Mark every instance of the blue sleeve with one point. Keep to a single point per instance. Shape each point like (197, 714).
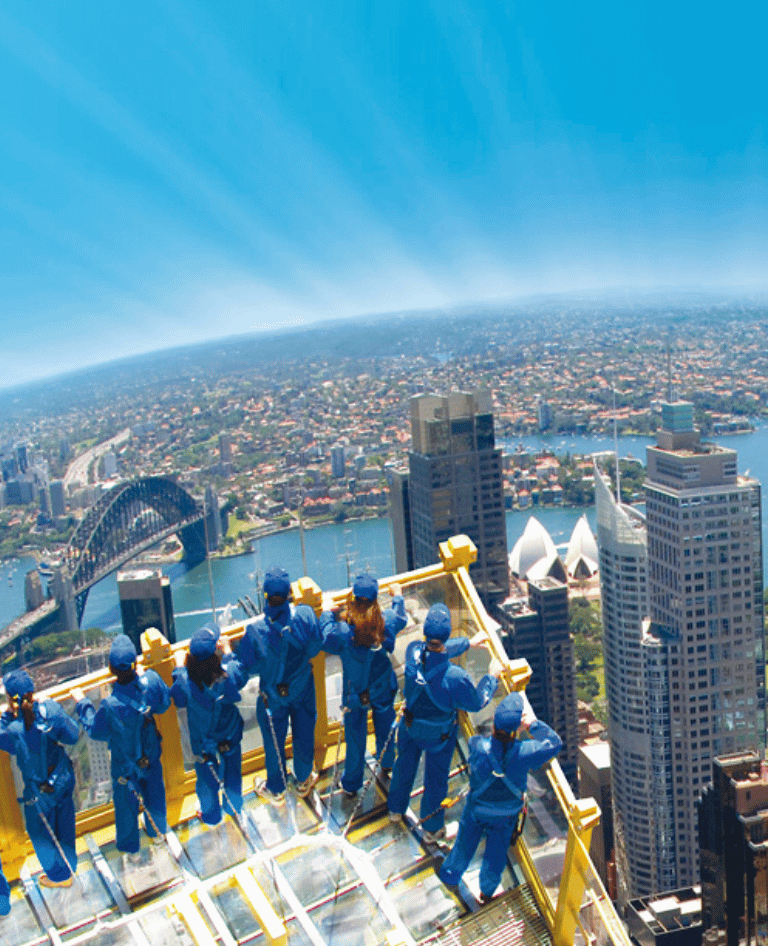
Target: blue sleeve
(236, 679)
(336, 634)
(456, 646)
(179, 690)
(304, 625)
(63, 728)
(96, 724)
(7, 743)
(249, 652)
(543, 745)
(466, 695)
(158, 692)
(395, 617)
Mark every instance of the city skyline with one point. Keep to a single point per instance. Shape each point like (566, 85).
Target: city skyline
(174, 174)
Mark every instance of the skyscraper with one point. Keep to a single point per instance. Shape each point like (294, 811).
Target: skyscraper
(621, 540)
(538, 631)
(705, 595)
(687, 684)
(456, 486)
(145, 601)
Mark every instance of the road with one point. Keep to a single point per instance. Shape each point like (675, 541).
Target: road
(77, 471)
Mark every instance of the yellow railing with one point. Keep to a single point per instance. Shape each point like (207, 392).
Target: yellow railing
(574, 903)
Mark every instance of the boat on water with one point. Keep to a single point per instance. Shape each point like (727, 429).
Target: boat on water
(321, 870)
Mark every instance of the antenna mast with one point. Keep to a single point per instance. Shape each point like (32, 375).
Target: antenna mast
(616, 447)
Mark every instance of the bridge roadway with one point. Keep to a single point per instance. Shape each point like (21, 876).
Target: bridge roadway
(21, 625)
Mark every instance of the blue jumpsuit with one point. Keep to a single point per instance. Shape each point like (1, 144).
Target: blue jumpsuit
(280, 655)
(43, 761)
(216, 731)
(126, 722)
(434, 690)
(498, 775)
(365, 669)
(5, 894)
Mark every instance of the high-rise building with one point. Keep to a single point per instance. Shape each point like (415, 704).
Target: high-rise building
(145, 601)
(538, 631)
(595, 782)
(58, 507)
(455, 485)
(733, 838)
(400, 514)
(338, 462)
(225, 448)
(705, 596)
(640, 842)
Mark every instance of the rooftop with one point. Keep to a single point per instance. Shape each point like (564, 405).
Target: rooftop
(320, 870)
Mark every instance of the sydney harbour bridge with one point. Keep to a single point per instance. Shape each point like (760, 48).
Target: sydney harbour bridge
(126, 521)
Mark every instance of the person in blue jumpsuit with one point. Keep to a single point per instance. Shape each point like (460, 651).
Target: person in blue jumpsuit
(434, 690)
(5, 894)
(364, 640)
(208, 687)
(498, 775)
(126, 721)
(34, 731)
(278, 648)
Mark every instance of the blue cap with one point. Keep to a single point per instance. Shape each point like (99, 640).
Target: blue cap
(203, 642)
(437, 624)
(367, 587)
(18, 683)
(277, 582)
(509, 713)
(122, 654)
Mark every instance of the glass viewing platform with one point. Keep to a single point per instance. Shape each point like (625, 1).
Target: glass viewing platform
(321, 870)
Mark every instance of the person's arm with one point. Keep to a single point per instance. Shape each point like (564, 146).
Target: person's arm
(7, 743)
(158, 692)
(395, 617)
(63, 728)
(336, 634)
(249, 651)
(305, 626)
(237, 677)
(456, 646)
(179, 690)
(543, 745)
(95, 724)
(469, 697)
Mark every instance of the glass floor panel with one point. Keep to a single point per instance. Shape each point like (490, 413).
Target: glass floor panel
(392, 847)
(316, 873)
(238, 915)
(342, 807)
(164, 930)
(214, 849)
(154, 869)
(20, 926)
(76, 905)
(351, 919)
(424, 904)
(275, 825)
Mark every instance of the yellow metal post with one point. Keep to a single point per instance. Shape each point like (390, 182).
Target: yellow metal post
(273, 927)
(583, 817)
(14, 844)
(157, 655)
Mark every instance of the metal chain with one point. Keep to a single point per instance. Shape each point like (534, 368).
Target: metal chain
(375, 770)
(283, 772)
(123, 780)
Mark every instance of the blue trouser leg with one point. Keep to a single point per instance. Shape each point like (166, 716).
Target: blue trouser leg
(152, 788)
(497, 840)
(355, 735)
(272, 761)
(62, 822)
(437, 768)
(5, 893)
(232, 778)
(382, 724)
(303, 718)
(464, 847)
(207, 789)
(126, 817)
(404, 772)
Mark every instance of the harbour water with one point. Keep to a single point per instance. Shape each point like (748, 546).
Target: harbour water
(336, 551)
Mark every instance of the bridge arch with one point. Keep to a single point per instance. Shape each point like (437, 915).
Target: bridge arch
(128, 519)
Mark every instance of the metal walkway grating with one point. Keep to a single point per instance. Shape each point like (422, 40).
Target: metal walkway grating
(511, 920)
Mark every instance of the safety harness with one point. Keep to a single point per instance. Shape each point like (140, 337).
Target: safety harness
(500, 808)
(416, 686)
(133, 735)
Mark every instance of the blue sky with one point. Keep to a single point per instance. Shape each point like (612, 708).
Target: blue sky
(177, 170)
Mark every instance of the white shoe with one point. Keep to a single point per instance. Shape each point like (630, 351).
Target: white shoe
(395, 816)
(304, 788)
(45, 881)
(274, 798)
(433, 837)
